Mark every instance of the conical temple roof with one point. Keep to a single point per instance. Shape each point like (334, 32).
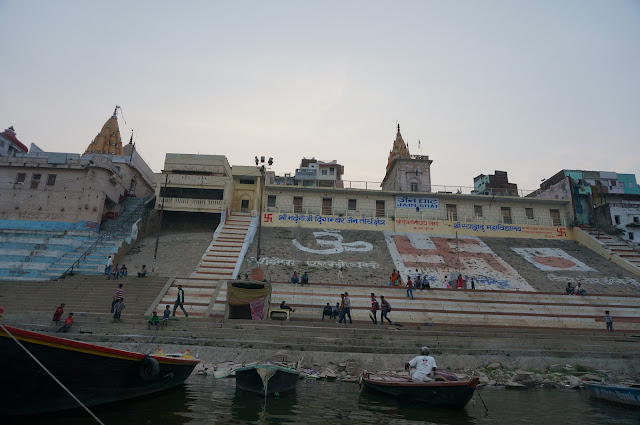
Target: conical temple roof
(399, 149)
(108, 141)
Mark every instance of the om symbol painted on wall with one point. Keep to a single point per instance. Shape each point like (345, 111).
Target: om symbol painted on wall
(333, 240)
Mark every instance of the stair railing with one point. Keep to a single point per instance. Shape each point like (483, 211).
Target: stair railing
(108, 233)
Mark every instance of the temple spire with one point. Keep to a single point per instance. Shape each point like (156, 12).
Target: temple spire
(399, 150)
(108, 141)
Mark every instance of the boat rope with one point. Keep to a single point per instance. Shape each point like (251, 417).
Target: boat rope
(485, 406)
(51, 375)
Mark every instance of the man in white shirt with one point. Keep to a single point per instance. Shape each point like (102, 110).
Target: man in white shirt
(424, 366)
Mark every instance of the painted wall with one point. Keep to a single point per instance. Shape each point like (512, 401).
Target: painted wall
(365, 206)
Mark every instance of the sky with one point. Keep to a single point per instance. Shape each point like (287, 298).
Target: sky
(527, 87)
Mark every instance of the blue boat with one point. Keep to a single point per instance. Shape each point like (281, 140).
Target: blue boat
(616, 393)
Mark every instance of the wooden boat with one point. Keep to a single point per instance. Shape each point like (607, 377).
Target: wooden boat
(450, 392)
(267, 378)
(94, 374)
(616, 393)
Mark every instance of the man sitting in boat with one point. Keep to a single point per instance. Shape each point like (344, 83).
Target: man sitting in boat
(424, 366)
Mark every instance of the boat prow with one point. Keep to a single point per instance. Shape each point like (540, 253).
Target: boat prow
(267, 378)
(94, 374)
(616, 393)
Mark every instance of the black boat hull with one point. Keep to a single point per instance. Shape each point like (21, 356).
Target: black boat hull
(95, 375)
(282, 380)
(454, 395)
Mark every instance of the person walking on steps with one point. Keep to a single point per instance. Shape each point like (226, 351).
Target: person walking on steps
(409, 287)
(385, 308)
(118, 297)
(180, 302)
(374, 309)
(107, 267)
(607, 320)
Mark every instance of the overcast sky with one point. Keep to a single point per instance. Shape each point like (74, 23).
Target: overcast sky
(528, 87)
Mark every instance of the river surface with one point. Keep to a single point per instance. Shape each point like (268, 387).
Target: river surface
(205, 400)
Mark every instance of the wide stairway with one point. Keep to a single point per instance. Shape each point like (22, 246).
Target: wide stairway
(459, 345)
(615, 245)
(26, 255)
(92, 254)
(220, 262)
(83, 295)
(503, 309)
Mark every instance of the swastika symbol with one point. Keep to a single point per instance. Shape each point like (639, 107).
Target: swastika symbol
(268, 218)
(560, 231)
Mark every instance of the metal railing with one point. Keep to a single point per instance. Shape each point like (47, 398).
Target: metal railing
(105, 235)
(448, 189)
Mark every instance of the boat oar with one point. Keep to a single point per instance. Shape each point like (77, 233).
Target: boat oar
(483, 403)
(51, 374)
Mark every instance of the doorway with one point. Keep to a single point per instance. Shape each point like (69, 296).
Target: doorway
(244, 206)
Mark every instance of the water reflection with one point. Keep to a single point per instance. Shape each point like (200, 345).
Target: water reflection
(205, 400)
(411, 410)
(253, 408)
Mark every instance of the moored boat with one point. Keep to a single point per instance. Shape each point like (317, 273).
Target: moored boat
(616, 393)
(94, 374)
(267, 378)
(450, 392)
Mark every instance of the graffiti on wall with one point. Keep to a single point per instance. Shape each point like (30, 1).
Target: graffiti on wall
(317, 218)
(533, 231)
(437, 256)
(333, 240)
(273, 261)
(552, 259)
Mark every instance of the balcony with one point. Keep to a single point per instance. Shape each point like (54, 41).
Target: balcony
(193, 205)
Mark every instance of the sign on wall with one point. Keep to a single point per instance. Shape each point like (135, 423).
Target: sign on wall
(421, 203)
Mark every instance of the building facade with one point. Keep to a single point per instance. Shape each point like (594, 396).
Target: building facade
(411, 212)
(494, 184)
(315, 173)
(9, 143)
(597, 197)
(195, 184)
(67, 191)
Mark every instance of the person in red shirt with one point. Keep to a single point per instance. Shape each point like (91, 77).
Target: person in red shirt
(67, 324)
(57, 315)
(409, 287)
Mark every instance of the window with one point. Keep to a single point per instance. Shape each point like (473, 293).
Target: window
(555, 217)
(326, 206)
(332, 171)
(506, 215)
(35, 181)
(21, 177)
(616, 219)
(380, 211)
(352, 205)
(636, 219)
(452, 212)
(247, 181)
(297, 204)
(414, 187)
(477, 210)
(324, 172)
(271, 200)
(51, 179)
(529, 213)
(630, 236)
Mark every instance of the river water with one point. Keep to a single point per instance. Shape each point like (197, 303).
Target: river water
(205, 400)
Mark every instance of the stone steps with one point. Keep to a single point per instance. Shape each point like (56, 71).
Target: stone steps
(308, 336)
